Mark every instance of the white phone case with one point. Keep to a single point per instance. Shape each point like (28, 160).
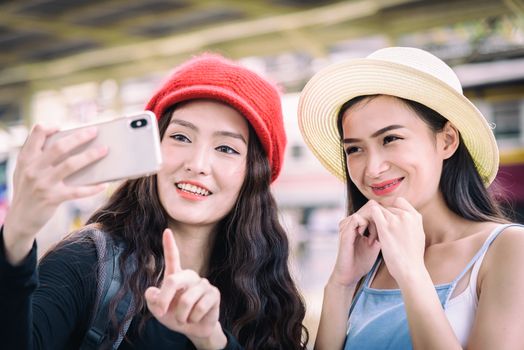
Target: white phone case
(134, 150)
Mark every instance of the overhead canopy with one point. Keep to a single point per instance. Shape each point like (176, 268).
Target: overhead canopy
(42, 40)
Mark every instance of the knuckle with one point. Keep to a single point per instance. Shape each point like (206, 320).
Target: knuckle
(200, 308)
(37, 128)
(185, 301)
(369, 203)
(68, 166)
(170, 280)
(76, 193)
(59, 147)
(40, 188)
(31, 175)
(180, 319)
(347, 220)
(356, 217)
(93, 154)
(192, 273)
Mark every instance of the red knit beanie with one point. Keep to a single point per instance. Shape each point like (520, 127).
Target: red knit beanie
(211, 76)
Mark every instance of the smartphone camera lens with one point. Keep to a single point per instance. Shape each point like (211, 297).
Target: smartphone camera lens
(138, 123)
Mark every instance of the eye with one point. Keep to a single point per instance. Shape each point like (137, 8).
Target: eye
(180, 138)
(352, 149)
(226, 149)
(390, 138)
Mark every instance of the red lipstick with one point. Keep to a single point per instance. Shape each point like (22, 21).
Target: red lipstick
(386, 187)
(192, 190)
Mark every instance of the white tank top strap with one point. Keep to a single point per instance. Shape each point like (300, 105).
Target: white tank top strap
(474, 275)
(476, 261)
(482, 251)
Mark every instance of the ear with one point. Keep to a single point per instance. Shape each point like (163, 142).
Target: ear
(448, 140)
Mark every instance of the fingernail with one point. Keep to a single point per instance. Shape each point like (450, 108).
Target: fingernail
(103, 150)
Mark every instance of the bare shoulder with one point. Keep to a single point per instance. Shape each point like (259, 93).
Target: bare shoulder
(506, 254)
(510, 238)
(499, 321)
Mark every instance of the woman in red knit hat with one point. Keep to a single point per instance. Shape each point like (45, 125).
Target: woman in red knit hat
(204, 258)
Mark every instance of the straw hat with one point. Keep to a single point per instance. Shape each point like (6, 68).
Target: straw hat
(404, 72)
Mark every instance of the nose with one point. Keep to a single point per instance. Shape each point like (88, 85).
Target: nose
(198, 160)
(376, 164)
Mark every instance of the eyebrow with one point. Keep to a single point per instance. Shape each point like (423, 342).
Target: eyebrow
(184, 123)
(376, 133)
(192, 126)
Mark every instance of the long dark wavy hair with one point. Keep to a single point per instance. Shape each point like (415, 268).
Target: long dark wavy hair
(260, 303)
(460, 183)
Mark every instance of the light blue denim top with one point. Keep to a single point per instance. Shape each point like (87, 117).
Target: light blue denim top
(377, 316)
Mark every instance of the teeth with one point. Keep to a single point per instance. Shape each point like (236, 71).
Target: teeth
(388, 185)
(192, 189)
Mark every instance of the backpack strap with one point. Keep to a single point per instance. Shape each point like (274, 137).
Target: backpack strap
(108, 284)
(126, 306)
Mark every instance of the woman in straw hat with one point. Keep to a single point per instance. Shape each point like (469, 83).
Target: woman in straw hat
(426, 259)
(204, 258)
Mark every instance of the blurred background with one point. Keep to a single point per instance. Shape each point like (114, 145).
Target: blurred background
(70, 62)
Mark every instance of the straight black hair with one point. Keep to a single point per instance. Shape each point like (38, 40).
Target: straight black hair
(460, 182)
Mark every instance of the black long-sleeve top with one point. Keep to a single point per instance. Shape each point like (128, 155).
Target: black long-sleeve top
(49, 306)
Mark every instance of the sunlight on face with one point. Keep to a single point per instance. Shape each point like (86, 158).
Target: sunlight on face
(204, 150)
(390, 151)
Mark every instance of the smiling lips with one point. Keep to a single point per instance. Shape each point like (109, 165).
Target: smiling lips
(192, 190)
(386, 187)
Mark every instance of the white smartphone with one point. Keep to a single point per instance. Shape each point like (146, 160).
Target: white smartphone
(134, 149)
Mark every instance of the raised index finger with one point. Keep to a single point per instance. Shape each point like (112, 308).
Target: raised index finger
(171, 254)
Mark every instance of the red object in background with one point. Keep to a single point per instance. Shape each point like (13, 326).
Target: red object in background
(510, 179)
(3, 211)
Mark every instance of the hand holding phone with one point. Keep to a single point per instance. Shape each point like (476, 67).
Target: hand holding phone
(54, 167)
(133, 144)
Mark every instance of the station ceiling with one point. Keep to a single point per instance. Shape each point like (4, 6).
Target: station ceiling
(46, 39)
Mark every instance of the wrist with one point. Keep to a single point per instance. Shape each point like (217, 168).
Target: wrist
(16, 247)
(215, 341)
(414, 276)
(341, 283)
(341, 290)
